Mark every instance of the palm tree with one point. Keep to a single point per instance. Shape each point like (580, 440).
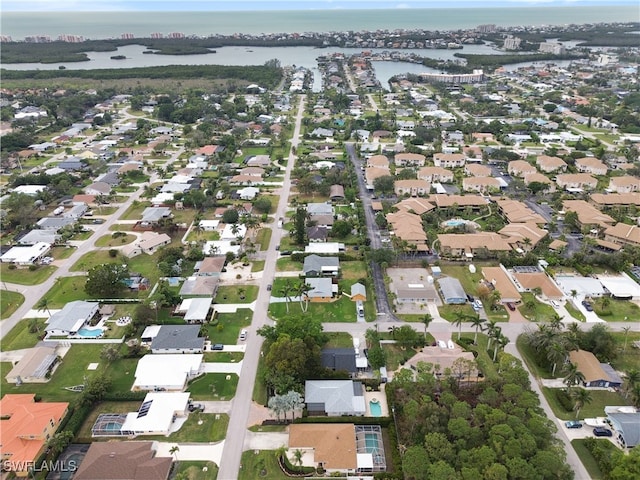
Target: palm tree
(556, 322)
(426, 320)
(501, 342)
(241, 293)
(605, 303)
(572, 376)
(460, 318)
(490, 328)
(477, 322)
(556, 353)
(286, 291)
(303, 290)
(626, 332)
(581, 397)
(631, 380)
(43, 304)
(174, 451)
(297, 456)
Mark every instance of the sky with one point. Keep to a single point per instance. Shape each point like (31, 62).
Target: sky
(239, 5)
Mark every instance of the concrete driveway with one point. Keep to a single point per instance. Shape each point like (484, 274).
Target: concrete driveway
(211, 452)
(265, 440)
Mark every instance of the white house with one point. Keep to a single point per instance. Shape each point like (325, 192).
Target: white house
(168, 372)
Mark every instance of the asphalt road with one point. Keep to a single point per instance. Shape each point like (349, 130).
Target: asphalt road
(236, 433)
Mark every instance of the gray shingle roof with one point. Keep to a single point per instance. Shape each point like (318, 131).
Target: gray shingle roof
(178, 337)
(314, 263)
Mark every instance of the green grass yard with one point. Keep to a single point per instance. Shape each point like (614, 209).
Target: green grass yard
(541, 312)
(19, 336)
(25, 276)
(118, 241)
(227, 326)
(231, 294)
(342, 310)
(213, 386)
(199, 428)
(616, 310)
(263, 238)
(9, 302)
(261, 464)
(192, 470)
(599, 400)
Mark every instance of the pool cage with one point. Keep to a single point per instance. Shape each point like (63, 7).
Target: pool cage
(370, 449)
(110, 425)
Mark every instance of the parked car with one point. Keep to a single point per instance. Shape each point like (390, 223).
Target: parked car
(269, 288)
(573, 424)
(195, 407)
(587, 306)
(243, 334)
(602, 432)
(511, 306)
(217, 346)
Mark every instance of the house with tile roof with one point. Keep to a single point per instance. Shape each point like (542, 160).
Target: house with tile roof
(593, 371)
(449, 160)
(591, 165)
(549, 164)
(624, 184)
(576, 181)
(520, 168)
(411, 187)
(27, 426)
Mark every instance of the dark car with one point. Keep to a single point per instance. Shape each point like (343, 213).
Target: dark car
(470, 298)
(573, 424)
(277, 247)
(194, 407)
(217, 346)
(602, 432)
(587, 306)
(511, 306)
(269, 288)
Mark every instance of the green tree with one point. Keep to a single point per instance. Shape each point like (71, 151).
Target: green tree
(580, 397)
(426, 321)
(377, 357)
(106, 280)
(407, 337)
(60, 441)
(299, 226)
(43, 304)
(262, 204)
(230, 216)
(341, 229)
(414, 466)
(110, 353)
(384, 184)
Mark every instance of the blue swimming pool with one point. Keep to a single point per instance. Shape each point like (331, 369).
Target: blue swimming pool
(375, 408)
(454, 223)
(90, 332)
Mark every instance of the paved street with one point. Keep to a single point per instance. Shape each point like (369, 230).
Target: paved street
(236, 433)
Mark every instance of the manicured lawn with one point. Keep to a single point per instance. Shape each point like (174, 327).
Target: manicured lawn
(9, 302)
(499, 315)
(120, 227)
(628, 357)
(599, 400)
(448, 312)
(263, 465)
(213, 386)
(122, 373)
(65, 290)
(396, 356)
(60, 253)
(257, 265)
(617, 310)
(469, 281)
(223, 357)
(342, 310)
(24, 276)
(285, 264)
(231, 294)
(105, 407)
(260, 387)
(574, 312)
(134, 212)
(268, 428)
(19, 336)
(228, 326)
(72, 371)
(263, 238)
(211, 429)
(353, 271)
(110, 241)
(339, 340)
(541, 312)
(192, 470)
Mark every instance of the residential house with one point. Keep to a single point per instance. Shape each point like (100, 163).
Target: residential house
(317, 266)
(209, 225)
(358, 292)
(520, 168)
(498, 278)
(409, 160)
(336, 193)
(549, 164)
(481, 184)
(624, 184)
(73, 316)
(540, 178)
(588, 215)
(167, 372)
(378, 161)
(322, 289)
(76, 211)
(515, 211)
(148, 242)
(472, 245)
(529, 281)
(179, 338)
(477, 170)
(248, 193)
(449, 160)
(199, 286)
(591, 165)
(414, 205)
(411, 187)
(594, 371)
(153, 215)
(623, 234)
(523, 237)
(334, 398)
(210, 266)
(27, 427)
(195, 310)
(54, 223)
(317, 233)
(38, 236)
(158, 414)
(98, 188)
(258, 161)
(314, 209)
(452, 291)
(27, 255)
(123, 461)
(35, 366)
(71, 165)
(616, 199)
(331, 446)
(408, 227)
(576, 181)
(412, 293)
(474, 202)
(339, 359)
(626, 423)
(435, 174)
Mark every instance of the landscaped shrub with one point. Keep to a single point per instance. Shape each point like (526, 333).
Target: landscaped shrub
(564, 399)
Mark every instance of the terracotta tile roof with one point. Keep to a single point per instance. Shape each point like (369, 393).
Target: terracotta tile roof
(541, 280)
(502, 282)
(589, 365)
(334, 444)
(587, 213)
(632, 198)
(518, 212)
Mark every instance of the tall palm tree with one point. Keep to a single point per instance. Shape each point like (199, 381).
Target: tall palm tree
(297, 456)
(302, 291)
(286, 291)
(174, 451)
(556, 354)
(626, 332)
(631, 380)
(459, 320)
(426, 320)
(572, 376)
(581, 397)
(477, 322)
(501, 342)
(556, 322)
(43, 304)
(490, 327)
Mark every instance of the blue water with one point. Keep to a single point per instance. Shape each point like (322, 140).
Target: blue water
(375, 408)
(90, 332)
(371, 442)
(454, 223)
